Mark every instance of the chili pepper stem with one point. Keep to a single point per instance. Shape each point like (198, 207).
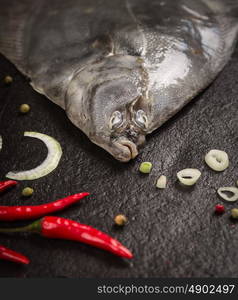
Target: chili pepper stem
(34, 227)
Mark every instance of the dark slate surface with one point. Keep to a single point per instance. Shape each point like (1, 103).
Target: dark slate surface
(173, 233)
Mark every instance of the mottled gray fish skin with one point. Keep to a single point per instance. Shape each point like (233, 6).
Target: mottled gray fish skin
(119, 68)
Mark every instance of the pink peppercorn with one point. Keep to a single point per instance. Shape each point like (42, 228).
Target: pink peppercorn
(219, 209)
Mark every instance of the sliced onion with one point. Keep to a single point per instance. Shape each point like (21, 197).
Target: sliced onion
(47, 166)
(222, 190)
(0, 142)
(217, 160)
(161, 182)
(188, 176)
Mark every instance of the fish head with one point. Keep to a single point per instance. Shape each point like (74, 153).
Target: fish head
(106, 101)
(119, 120)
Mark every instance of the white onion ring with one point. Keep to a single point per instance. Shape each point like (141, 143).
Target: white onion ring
(47, 166)
(217, 160)
(231, 189)
(0, 142)
(188, 176)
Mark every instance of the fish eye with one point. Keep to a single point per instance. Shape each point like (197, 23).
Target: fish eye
(116, 120)
(141, 119)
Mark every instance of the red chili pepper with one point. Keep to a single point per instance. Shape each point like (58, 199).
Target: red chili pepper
(8, 254)
(13, 213)
(60, 228)
(6, 184)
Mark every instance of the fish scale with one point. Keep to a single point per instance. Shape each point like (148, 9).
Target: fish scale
(137, 60)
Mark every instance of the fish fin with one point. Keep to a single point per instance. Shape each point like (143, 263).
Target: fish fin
(229, 30)
(14, 15)
(224, 7)
(227, 13)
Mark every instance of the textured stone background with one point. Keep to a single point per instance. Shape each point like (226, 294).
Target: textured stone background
(173, 233)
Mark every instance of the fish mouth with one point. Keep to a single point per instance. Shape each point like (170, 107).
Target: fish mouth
(128, 150)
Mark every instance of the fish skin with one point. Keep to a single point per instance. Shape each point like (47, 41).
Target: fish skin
(143, 59)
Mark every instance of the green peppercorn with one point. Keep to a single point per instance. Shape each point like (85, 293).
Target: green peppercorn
(26, 192)
(24, 108)
(8, 79)
(234, 213)
(145, 167)
(120, 220)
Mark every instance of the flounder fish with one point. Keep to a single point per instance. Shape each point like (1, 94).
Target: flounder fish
(119, 68)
